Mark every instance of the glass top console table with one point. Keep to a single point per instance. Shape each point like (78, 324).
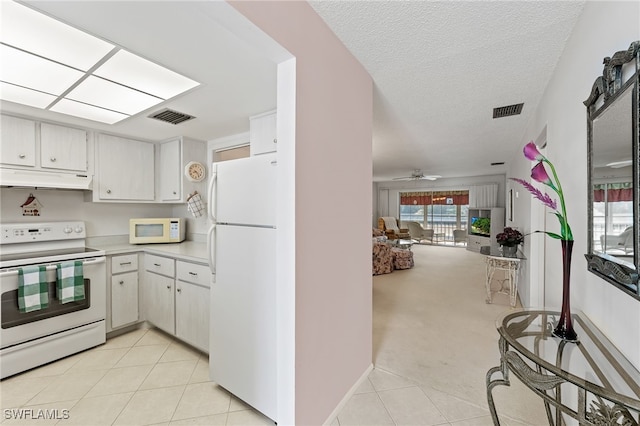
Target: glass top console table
(590, 381)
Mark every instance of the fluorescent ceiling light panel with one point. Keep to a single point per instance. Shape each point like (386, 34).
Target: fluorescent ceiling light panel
(34, 32)
(77, 109)
(21, 95)
(23, 69)
(105, 94)
(41, 56)
(133, 71)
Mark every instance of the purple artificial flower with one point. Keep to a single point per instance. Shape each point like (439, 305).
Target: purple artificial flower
(531, 152)
(545, 198)
(539, 173)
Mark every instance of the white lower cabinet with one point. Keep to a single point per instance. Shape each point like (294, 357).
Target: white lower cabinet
(124, 291)
(176, 298)
(124, 299)
(159, 301)
(192, 304)
(192, 315)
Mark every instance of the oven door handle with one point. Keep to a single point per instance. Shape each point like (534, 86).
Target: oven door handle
(52, 266)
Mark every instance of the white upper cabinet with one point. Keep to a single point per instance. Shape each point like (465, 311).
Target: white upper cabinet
(18, 141)
(169, 171)
(63, 148)
(263, 133)
(124, 170)
(175, 181)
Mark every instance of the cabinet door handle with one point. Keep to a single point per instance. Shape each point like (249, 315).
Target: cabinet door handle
(179, 290)
(121, 282)
(53, 159)
(174, 192)
(169, 287)
(275, 141)
(108, 191)
(193, 273)
(22, 156)
(125, 263)
(156, 264)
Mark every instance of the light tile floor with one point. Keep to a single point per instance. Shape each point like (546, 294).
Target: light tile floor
(140, 378)
(434, 339)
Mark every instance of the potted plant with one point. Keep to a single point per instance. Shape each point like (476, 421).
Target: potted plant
(509, 239)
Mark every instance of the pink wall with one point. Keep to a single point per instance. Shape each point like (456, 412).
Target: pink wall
(333, 337)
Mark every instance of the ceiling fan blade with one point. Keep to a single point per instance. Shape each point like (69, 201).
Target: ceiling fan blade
(431, 177)
(404, 178)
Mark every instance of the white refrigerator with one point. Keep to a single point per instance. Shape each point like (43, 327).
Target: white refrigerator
(242, 257)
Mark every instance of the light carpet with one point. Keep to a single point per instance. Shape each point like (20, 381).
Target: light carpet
(431, 325)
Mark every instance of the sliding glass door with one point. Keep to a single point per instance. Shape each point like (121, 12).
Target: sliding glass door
(441, 211)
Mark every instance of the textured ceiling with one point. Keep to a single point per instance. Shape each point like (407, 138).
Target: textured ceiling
(439, 69)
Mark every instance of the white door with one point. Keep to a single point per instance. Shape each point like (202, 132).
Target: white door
(243, 315)
(245, 191)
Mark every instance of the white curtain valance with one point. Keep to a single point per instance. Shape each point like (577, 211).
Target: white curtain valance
(483, 195)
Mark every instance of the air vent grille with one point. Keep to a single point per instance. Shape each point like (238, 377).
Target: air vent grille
(170, 116)
(508, 110)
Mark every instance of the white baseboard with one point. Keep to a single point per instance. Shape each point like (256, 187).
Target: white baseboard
(348, 396)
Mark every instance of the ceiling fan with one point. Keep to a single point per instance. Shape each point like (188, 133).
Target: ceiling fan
(417, 174)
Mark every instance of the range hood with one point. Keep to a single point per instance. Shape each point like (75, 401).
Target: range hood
(40, 179)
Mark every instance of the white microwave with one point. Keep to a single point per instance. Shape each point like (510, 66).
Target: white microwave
(156, 230)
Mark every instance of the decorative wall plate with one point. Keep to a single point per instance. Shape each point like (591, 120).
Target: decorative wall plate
(195, 171)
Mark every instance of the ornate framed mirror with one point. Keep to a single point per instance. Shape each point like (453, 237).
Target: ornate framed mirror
(613, 172)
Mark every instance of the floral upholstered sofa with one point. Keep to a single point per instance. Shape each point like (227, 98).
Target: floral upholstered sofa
(386, 258)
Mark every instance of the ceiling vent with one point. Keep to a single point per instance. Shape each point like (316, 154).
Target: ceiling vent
(170, 116)
(508, 110)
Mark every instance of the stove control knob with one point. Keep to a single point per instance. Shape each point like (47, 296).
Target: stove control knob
(78, 229)
(67, 230)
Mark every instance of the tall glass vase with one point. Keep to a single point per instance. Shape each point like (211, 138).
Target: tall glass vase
(564, 329)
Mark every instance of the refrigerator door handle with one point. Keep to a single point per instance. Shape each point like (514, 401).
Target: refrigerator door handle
(212, 192)
(211, 235)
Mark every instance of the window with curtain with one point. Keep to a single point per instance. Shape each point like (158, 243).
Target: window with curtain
(612, 209)
(442, 211)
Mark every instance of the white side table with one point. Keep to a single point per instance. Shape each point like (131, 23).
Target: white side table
(510, 266)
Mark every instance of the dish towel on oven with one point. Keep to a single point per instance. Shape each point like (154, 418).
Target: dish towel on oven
(33, 289)
(70, 283)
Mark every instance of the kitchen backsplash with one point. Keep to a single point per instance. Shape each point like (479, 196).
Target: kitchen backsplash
(102, 219)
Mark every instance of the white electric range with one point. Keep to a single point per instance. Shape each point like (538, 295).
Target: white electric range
(30, 339)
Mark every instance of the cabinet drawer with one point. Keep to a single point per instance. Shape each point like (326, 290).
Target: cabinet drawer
(159, 265)
(124, 263)
(193, 273)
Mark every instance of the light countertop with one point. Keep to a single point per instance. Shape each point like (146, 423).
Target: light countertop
(190, 251)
